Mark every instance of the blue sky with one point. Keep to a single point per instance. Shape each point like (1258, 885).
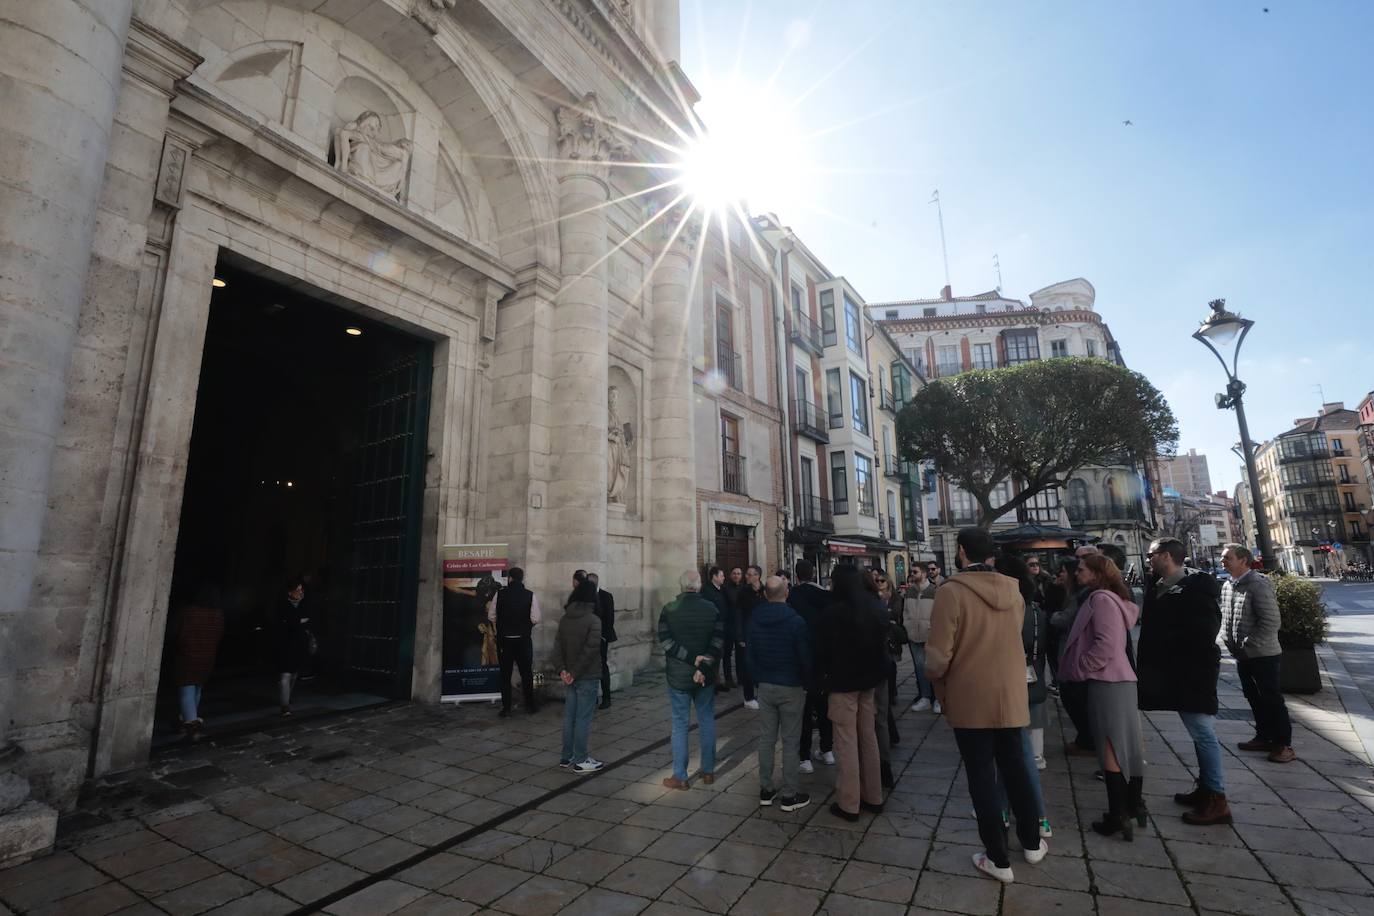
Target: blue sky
(1248, 171)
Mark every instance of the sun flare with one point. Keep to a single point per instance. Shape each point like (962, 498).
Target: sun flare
(749, 150)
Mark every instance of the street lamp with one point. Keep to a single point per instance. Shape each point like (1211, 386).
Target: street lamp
(1227, 330)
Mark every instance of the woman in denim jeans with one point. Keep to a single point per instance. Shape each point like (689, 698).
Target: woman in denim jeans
(577, 657)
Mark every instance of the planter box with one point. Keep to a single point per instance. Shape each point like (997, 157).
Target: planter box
(1299, 671)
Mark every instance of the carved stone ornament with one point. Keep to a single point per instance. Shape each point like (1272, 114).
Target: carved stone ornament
(429, 13)
(666, 227)
(585, 133)
(620, 438)
(361, 150)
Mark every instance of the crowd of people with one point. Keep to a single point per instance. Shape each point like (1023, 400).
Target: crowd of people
(989, 646)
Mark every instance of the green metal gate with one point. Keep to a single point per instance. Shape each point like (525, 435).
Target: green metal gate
(384, 573)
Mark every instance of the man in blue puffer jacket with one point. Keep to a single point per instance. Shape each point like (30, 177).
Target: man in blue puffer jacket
(778, 648)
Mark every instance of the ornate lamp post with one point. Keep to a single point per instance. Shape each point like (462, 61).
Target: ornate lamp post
(1227, 330)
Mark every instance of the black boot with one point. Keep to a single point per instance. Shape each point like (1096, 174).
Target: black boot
(885, 770)
(1116, 818)
(1135, 800)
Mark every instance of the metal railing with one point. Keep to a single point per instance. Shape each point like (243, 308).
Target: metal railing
(869, 506)
(733, 475)
(893, 466)
(731, 367)
(886, 401)
(815, 513)
(806, 421)
(807, 333)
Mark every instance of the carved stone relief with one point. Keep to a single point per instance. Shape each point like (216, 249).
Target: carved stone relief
(620, 439)
(361, 150)
(586, 134)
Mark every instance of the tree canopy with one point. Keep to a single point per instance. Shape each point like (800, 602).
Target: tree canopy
(1036, 423)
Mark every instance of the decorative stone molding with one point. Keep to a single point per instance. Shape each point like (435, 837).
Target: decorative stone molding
(429, 13)
(586, 134)
(171, 172)
(156, 59)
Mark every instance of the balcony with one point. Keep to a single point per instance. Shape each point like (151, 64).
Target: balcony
(814, 514)
(1082, 513)
(888, 525)
(1305, 484)
(959, 518)
(894, 467)
(733, 474)
(886, 401)
(731, 367)
(806, 421)
(806, 333)
(1300, 510)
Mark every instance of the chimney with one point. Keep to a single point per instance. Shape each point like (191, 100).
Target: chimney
(1332, 407)
(946, 294)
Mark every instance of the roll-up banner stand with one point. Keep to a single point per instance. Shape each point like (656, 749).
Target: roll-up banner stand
(471, 670)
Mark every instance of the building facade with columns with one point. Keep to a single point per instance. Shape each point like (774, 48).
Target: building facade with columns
(314, 287)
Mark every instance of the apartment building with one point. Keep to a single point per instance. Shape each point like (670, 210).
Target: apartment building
(738, 409)
(1187, 474)
(950, 334)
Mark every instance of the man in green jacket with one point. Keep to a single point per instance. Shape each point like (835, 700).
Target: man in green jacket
(692, 635)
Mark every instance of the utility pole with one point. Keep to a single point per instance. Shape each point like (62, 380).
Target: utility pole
(944, 249)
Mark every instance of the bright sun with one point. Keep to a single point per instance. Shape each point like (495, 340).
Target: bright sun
(751, 151)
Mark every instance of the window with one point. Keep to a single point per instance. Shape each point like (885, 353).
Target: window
(929, 311)
(982, 356)
(853, 327)
(863, 484)
(982, 308)
(891, 515)
(728, 362)
(839, 483)
(797, 300)
(803, 383)
(1344, 472)
(1336, 444)
(834, 398)
(887, 444)
(1092, 347)
(916, 358)
(1022, 346)
(828, 317)
(963, 508)
(804, 479)
(947, 357)
(1350, 502)
(1356, 532)
(858, 402)
(732, 463)
(890, 314)
(1059, 348)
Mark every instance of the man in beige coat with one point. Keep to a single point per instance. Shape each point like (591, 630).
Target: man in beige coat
(977, 664)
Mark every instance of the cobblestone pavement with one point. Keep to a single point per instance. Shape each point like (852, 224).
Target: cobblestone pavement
(413, 810)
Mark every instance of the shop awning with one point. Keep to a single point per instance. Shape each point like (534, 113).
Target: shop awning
(848, 548)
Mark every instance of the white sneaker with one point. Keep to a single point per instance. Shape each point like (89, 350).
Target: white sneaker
(1033, 856)
(828, 758)
(751, 704)
(1039, 763)
(936, 707)
(920, 705)
(807, 767)
(590, 765)
(984, 865)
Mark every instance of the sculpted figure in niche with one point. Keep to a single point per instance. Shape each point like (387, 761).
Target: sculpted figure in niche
(619, 438)
(360, 150)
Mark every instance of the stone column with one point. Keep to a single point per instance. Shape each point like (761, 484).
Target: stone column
(672, 468)
(60, 73)
(578, 426)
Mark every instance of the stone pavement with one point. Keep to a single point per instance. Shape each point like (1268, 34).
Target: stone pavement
(408, 809)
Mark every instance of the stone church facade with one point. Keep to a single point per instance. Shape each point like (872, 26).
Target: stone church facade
(450, 172)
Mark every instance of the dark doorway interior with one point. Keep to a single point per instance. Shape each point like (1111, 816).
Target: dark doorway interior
(307, 457)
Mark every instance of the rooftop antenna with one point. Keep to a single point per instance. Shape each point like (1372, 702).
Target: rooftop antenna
(1321, 393)
(997, 264)
(944, 249)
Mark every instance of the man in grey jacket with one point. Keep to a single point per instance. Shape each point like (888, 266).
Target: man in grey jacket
(1250, 628)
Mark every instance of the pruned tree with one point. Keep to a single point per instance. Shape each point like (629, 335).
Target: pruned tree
(1036, 423)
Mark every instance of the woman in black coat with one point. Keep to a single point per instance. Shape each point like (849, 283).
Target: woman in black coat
(1178, 656)
(292, 643)
(851, 660)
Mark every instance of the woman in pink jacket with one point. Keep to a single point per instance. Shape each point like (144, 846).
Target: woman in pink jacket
(1098, 652)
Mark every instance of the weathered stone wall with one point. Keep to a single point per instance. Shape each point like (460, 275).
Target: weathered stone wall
(210, 132)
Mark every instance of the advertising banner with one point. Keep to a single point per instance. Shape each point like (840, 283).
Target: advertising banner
(471, 670)
(1207, 536)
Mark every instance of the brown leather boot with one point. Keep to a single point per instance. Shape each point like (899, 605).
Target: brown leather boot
(1211, 810)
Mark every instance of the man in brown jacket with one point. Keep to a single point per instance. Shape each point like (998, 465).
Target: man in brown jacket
(977, 664)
